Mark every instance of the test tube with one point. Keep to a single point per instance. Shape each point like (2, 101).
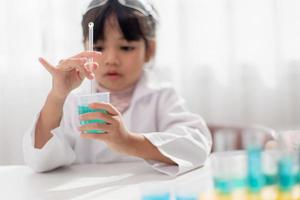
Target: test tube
(90, 47)
(253, 141)
(287, 165)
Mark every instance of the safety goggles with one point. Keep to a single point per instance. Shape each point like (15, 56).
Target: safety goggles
(143, 6)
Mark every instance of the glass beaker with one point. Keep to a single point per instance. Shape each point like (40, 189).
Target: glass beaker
(229, 173)
(83, 102)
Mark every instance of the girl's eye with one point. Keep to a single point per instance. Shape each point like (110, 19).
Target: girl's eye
(98, 48)
(127, 48)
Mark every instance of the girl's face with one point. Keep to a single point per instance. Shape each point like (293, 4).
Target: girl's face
(121, 63)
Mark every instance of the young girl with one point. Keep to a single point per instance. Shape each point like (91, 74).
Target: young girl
(145, 120)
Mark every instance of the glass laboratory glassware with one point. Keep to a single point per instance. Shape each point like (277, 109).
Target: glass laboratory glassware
(83, 102)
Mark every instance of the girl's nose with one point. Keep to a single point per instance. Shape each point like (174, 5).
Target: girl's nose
(111, 58)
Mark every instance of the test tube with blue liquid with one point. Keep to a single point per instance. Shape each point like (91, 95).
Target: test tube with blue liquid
(83, 101)
(298, 173)
(286, 174)
(297, 178)
(288, 165)
(229, 164)
(229, 173)
(270, 171)
(254, 141)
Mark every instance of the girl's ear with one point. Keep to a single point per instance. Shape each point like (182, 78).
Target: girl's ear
(150, 51)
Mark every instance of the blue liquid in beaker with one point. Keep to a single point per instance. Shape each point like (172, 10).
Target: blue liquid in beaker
(226, 186)
(164, 196)
(298, 178)
(86, 109)
(187, 197)
(271, 179)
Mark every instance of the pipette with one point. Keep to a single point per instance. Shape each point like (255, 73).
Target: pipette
(91, 48)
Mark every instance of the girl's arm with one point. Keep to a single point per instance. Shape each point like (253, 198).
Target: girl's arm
(117, 137)
(56, 150)
(49, 119)
(67, 76)
(140, 146)
(182, 138)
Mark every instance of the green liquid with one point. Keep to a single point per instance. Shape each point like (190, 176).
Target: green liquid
(286, 176)
(226, 186)
(298, 178)
(165, 196)
(271, 179)
(86, 109)
(190, 197)
(255, 174)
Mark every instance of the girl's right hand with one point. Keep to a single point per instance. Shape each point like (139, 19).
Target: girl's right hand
(69, 73)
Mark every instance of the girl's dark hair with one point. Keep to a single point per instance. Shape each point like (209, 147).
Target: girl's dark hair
(133, 24)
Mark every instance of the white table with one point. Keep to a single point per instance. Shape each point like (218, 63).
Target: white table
(119, 181)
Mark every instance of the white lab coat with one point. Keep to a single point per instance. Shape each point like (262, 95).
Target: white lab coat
(156, 111)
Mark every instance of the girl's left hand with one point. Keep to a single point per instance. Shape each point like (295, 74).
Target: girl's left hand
(116, 136)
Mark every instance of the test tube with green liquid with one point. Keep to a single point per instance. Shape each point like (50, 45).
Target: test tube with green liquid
(253, 141)
(288, 168)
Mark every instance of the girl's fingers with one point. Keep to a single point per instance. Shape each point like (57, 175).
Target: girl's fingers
(47, 65)
(80, 64)
(95, 126)
(89, 54)
(80, 74)
(70, 64)
(102, 136)
(83, 72)
(105, 106)
(92, 66)
(97, 115)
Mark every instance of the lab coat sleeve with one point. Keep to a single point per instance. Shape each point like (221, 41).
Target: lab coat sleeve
(182, 136)
(56, 152)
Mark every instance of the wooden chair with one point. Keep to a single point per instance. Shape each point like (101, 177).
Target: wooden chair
(228, 137)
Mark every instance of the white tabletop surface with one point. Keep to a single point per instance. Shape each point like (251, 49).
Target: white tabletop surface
(120, 181)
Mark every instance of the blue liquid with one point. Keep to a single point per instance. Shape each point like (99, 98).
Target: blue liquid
(226, 186)
(165, 196)
(298, 178)
(271, 180)
(86, 109)
(256, 179)
(286, 177)
(188, 197)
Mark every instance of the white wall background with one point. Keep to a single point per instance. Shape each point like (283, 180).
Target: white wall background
(233, 60)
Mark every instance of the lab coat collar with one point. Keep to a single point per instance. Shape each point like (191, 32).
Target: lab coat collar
(148, 84)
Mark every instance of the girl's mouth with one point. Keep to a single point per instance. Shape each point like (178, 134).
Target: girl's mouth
(113, 75)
